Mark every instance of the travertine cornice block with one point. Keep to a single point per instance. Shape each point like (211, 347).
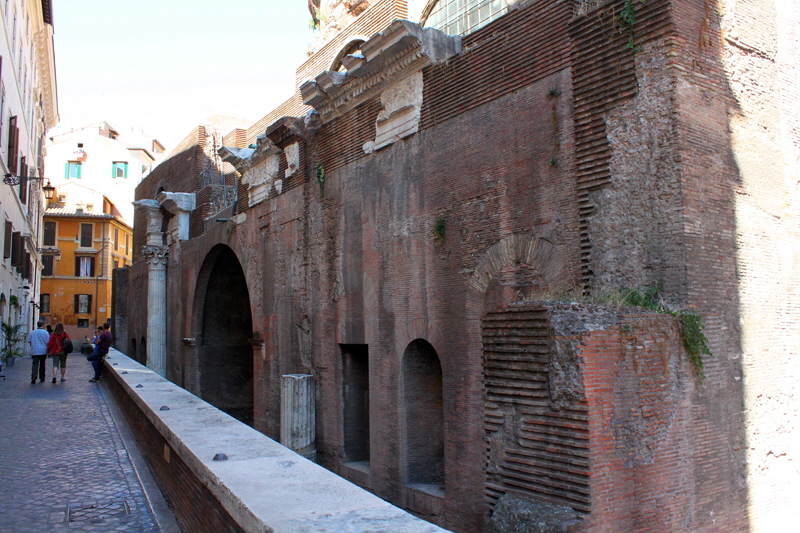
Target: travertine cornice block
(243, 159)
(151, 210)
(180, 204)
(401, 50)
(312, 93)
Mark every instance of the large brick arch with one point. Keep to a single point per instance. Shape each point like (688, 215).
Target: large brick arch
(223, 326)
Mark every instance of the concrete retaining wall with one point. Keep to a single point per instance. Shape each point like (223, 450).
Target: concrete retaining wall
(261, 487)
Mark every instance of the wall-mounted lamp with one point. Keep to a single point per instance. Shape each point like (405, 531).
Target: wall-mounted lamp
(49, 190)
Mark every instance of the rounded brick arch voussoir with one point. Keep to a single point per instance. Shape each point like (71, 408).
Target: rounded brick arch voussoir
(528, 249)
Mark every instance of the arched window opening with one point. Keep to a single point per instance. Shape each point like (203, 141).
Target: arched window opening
(353, 47)
(423, 409)
(462, 17)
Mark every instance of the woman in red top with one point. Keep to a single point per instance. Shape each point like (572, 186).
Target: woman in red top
(55, 347)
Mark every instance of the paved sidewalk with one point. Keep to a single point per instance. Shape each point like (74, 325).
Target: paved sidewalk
(63, 465)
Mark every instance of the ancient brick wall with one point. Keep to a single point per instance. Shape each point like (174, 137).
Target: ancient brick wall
(762, 94)
(551, 156)
(638, 385)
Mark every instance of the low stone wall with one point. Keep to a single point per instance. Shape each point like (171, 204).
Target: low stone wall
(261, 487)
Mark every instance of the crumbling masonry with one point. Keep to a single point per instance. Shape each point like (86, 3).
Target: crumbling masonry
(414, 234)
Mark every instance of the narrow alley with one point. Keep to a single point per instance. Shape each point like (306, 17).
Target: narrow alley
(67, 462)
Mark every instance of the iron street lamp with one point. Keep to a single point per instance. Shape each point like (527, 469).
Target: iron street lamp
(49, 190)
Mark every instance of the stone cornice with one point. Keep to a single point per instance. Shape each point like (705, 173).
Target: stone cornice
(244, 159)
(46, 74)
(390, 56)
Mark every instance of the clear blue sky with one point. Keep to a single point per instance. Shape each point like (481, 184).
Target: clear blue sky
(164, 65)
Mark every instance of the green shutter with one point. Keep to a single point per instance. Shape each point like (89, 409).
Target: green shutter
(113, 170)
(125, 170)
(66, 169)
(79, 169)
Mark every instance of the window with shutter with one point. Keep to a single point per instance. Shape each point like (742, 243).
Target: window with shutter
(72, 169)
(17, 252)
(13, 137)
(44, 303)
(84, 266)
(23, 184)
(119, 169)
(49, 234)
(47, 265)
(83, 303)
(87, 235)
(7, 241)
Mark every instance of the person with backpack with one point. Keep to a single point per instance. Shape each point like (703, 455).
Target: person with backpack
(59, 347)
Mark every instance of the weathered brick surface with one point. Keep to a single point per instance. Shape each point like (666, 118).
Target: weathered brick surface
(554, 158)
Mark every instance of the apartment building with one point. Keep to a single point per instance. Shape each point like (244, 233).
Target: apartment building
(28, 109)
(82, 243)
(102, 157)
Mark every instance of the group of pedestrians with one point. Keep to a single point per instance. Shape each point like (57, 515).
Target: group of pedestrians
(58, 345)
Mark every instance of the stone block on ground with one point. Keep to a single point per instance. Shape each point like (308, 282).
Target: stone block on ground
(513, 514)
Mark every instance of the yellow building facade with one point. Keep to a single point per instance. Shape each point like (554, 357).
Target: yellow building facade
(81, 247)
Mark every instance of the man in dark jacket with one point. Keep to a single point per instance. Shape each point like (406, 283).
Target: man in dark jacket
(100, 352)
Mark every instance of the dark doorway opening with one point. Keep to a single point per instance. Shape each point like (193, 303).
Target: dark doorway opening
(225, 352)
(424, 416)
(355, 387)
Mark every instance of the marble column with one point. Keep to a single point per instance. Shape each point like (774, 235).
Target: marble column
(155, 253)
(156, 257)
(298, 421)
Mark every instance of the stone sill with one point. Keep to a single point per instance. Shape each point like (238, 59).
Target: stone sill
(263, 485)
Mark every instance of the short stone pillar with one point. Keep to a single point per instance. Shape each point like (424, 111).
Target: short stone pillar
(298, 414)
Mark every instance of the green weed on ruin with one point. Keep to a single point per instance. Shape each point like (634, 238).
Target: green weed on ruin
(439, 229)
(694, 339)
(321, 180)
(627, 21)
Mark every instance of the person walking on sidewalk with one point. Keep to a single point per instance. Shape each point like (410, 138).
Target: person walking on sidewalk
(100, 351)
(38, 340)
(55, 347)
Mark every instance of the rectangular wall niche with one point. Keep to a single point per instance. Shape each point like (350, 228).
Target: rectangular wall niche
(355, 390)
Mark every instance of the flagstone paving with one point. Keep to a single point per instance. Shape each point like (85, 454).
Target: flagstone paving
(63, 465)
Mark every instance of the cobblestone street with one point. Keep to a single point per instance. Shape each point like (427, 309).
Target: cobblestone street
(63, 463)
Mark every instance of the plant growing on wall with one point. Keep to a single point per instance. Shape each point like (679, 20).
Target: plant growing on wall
(694, 340)
(627, 20)
(13, 301)
(439, 229)
(321, 180)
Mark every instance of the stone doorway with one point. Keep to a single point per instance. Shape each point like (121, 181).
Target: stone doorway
(225, 354)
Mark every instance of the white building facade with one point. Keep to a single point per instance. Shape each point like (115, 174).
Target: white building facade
(28, 109)
(101, 158)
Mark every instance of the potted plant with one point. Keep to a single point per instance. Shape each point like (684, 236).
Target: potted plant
(12, 337)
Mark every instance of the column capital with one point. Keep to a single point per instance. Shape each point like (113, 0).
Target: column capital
(155, 255)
